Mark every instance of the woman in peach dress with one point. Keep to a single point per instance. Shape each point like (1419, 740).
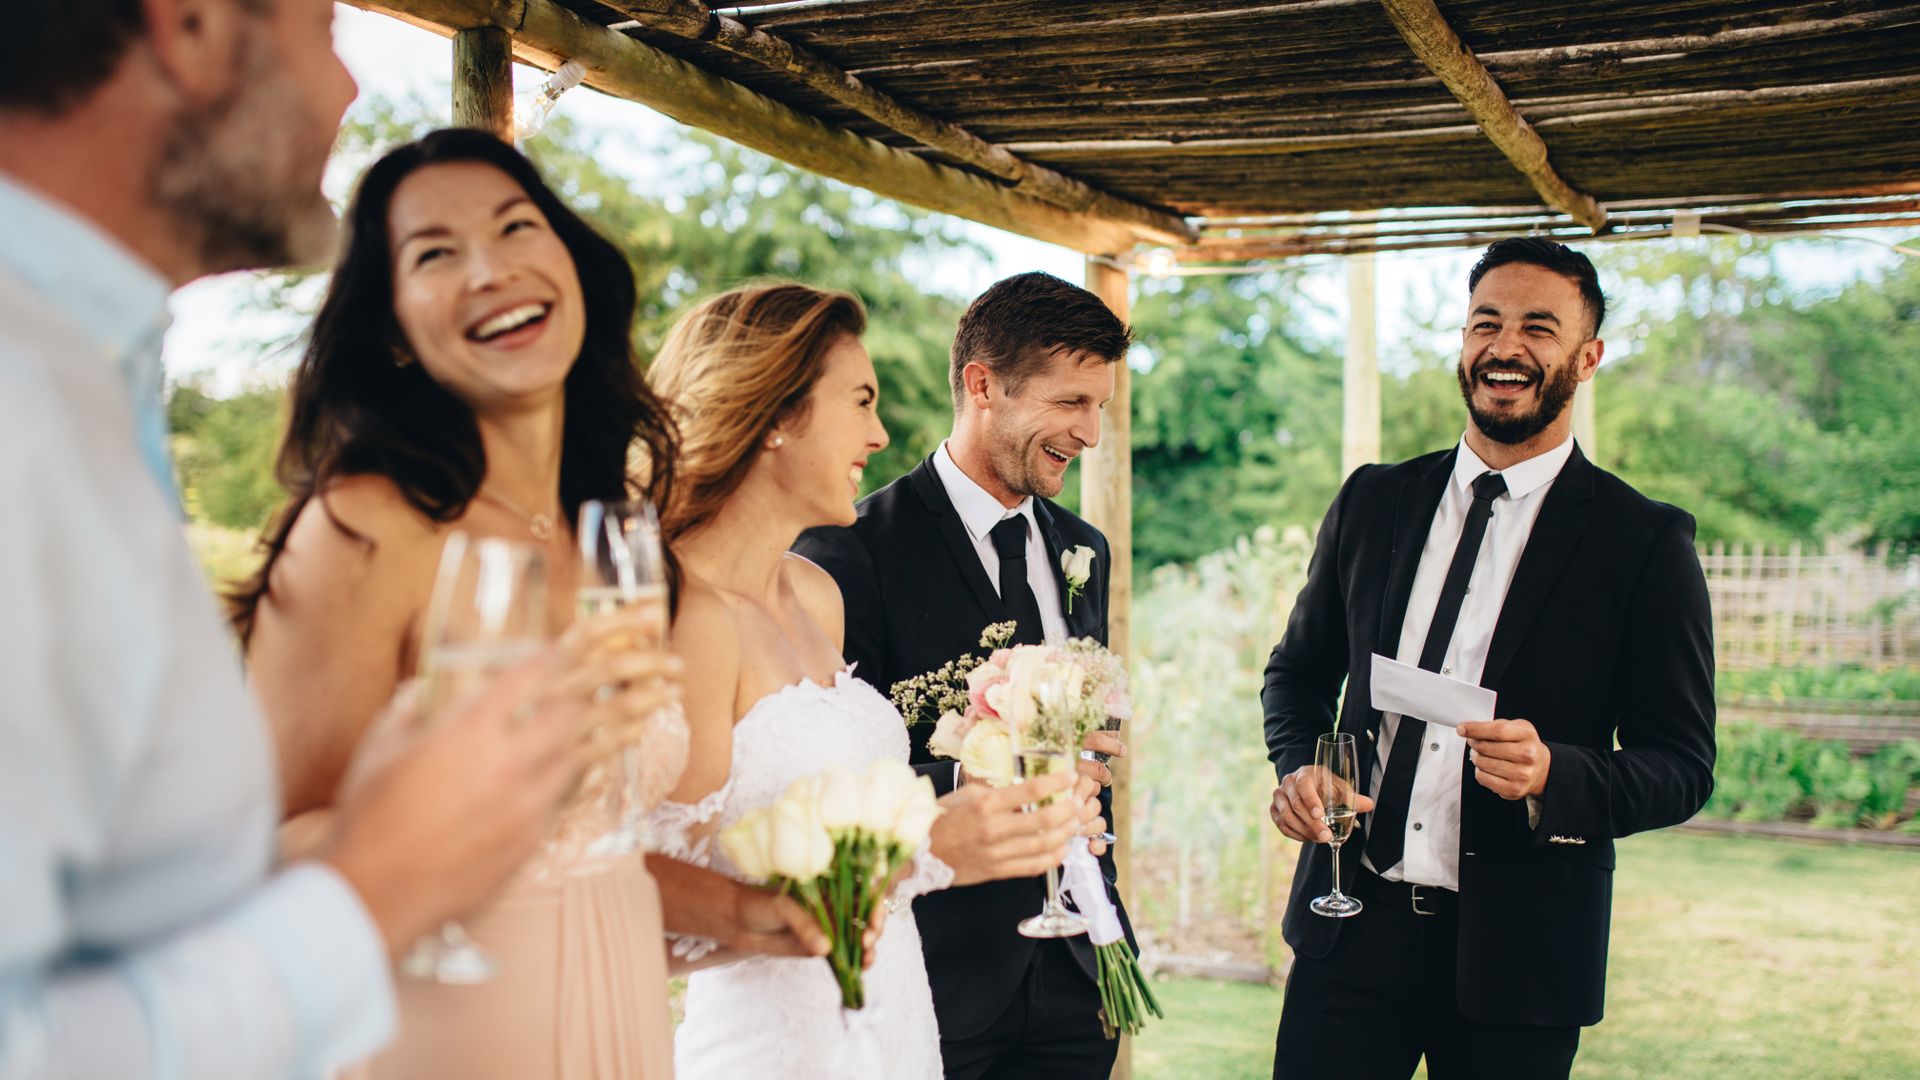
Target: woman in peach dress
(471, 369)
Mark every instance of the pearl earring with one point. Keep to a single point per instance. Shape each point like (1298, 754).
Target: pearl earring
(779, 441)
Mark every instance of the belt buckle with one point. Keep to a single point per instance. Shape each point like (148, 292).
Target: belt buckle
(1414, 892)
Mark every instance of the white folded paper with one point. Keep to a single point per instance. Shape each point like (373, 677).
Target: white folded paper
(1427, 695)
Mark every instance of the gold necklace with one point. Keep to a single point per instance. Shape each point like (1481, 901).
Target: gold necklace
(540, 525)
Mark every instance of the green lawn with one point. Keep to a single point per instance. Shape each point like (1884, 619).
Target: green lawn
(1734, 958)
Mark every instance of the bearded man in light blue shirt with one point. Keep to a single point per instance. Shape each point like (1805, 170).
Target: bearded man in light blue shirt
(143, 929)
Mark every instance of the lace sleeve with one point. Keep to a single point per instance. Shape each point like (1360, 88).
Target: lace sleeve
(679, 831)
(924, 875)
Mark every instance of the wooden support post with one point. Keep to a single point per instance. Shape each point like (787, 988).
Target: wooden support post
(483, 80)
(1583, 432)
(1106, 500)
(1360, 388)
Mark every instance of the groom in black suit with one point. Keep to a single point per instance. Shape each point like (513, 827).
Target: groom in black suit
(1486, 865)
(968, 538)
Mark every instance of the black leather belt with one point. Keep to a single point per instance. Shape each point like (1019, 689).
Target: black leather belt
(1419, 899)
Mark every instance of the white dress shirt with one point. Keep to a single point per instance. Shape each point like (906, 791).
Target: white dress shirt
(142, 930)
(979, 512)
(1432, 853)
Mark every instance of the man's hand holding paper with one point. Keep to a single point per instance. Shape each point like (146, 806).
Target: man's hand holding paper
(1508, 757)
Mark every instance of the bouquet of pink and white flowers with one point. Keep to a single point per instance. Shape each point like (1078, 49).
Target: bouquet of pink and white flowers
(1048, 698)
(833, 842)
(1033, 696)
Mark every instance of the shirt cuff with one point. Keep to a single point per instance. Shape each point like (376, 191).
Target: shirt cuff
(1533, 811)
(332, 962)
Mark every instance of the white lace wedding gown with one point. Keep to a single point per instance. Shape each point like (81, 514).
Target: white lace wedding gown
(779, 1016)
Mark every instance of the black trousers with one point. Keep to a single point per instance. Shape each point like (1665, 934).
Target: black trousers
(1050, 1031)
(1385, 996)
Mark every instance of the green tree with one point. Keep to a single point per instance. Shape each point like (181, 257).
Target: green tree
(1236, 417)
(223, 454)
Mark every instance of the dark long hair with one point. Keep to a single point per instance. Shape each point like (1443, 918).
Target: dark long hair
(354, 411)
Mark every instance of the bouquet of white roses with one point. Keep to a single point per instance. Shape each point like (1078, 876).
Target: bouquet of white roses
(833, 841)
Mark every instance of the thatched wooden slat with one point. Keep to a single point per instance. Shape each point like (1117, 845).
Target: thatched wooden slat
(691, 19)
(1438, 47)
(1283, 249)
(1292, 108)
(547, 35)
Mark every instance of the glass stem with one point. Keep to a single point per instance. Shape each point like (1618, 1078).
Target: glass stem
(1336, 867)
(1053, 889)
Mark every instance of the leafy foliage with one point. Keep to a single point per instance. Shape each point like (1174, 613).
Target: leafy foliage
(1770, 774)
(1236, 420)
(1847, 682)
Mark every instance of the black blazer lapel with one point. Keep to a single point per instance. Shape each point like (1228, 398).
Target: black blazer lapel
(1413, 519)
(1556, 531)
(1083, 621)
(946, 522)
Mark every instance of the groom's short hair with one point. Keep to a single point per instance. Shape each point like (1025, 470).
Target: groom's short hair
(1015, 328)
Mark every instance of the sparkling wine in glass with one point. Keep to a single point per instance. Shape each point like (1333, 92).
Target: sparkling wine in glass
(622, 564)
(1038, 754)
(488, 613)
(1334, 762)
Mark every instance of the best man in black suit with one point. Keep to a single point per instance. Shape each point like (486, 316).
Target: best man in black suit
(969, 538)
(1512, 562)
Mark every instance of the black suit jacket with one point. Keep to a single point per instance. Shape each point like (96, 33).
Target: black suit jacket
(916, 597)
(1605, 634)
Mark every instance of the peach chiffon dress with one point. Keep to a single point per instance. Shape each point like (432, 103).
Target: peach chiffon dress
(580, 991)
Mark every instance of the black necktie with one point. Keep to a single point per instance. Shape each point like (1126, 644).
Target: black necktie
(1010, 540)
(1387, 832)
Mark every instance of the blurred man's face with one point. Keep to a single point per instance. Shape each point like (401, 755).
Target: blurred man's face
(1526, 348)
(241, 175)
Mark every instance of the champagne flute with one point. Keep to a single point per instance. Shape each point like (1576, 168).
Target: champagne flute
(1043, 753)
(487, 614)
(622, 564)
(1334, 762)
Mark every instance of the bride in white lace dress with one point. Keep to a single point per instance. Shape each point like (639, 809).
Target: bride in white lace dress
(777, 404)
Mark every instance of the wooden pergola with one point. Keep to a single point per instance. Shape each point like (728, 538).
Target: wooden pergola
(1199, 134)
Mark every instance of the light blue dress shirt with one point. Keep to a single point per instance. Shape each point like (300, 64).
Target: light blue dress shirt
(143, 929)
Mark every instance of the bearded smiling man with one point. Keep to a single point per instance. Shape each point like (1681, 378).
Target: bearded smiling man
(1485, 864)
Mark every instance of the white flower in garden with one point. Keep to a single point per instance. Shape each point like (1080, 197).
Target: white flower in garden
(798, 846)
(745, 844)
(948, 734)
(987, 753)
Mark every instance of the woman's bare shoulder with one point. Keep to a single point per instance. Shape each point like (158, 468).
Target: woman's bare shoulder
(359, 532)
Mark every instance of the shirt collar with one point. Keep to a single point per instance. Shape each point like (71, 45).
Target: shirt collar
(979, 511)
(1523, 479)
(82, 273)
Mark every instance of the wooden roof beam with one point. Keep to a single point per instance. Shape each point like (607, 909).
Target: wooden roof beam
(1432, 40)
(694, 21)
(547, 35)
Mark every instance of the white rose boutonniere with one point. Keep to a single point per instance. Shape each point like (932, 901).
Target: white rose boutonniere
(1077, 565)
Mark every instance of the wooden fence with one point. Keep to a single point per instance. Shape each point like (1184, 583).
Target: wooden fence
(1791, 607)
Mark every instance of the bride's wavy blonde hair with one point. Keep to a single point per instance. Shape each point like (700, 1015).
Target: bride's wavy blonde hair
(731, 370)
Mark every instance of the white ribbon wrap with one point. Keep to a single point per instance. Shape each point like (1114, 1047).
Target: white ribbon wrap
(1087, 887)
